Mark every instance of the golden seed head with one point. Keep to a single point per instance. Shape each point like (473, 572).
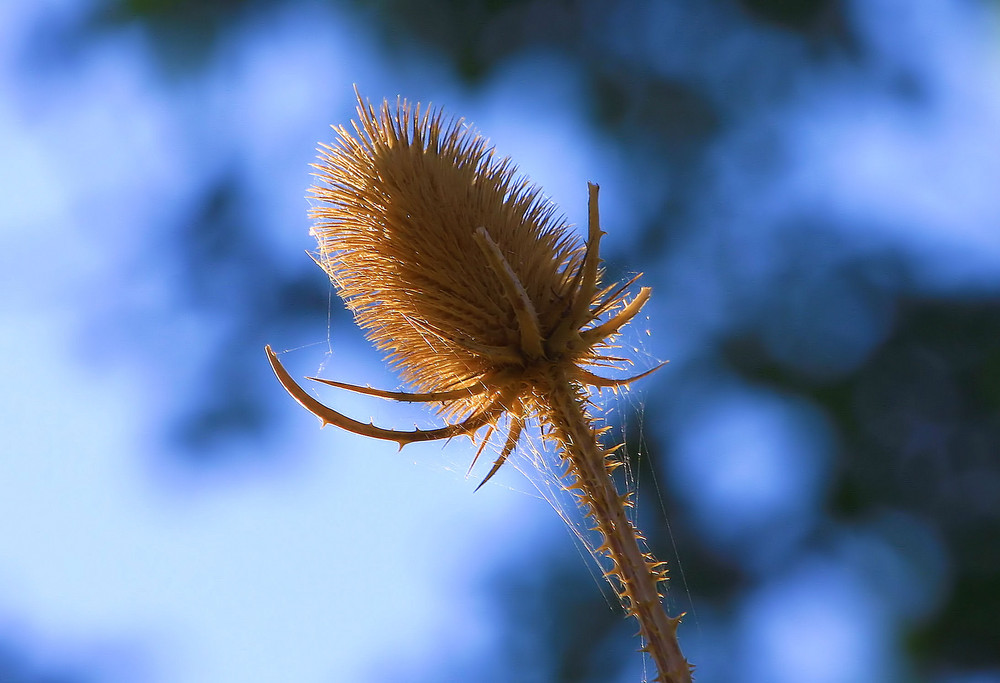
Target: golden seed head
(400, 200)
(462, 273)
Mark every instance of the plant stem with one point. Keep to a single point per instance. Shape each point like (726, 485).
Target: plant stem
(637, 573)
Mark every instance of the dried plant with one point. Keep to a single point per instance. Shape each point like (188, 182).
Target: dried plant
(481, 297)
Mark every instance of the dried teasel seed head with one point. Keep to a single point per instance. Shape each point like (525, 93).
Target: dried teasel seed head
(462, 273)
(416, 220)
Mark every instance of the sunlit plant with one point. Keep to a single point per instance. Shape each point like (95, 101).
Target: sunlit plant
(479, 294)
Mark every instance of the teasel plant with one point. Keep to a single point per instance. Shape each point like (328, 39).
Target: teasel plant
(491, 310)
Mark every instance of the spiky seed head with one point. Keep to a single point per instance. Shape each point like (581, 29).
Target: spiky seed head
(400, 199)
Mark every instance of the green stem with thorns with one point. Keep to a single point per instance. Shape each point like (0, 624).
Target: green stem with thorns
(634, 574)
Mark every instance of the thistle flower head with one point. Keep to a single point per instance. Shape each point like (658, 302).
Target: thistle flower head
(469, 280)
(400, 205)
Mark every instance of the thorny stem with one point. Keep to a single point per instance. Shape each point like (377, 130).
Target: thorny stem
(638, 574)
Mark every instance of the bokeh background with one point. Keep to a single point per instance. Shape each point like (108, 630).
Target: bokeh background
(811, 187)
